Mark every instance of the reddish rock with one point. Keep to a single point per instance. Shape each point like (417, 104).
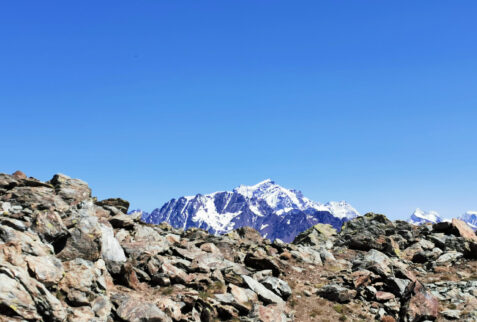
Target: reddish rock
(464, 230)
(361, 278)
(286, 255)
(271, 313)
(19, 175)
(388, 318)
(384, 296)
(422, 305)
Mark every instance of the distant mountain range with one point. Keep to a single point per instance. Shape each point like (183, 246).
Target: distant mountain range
(420, 217)
(274, 211)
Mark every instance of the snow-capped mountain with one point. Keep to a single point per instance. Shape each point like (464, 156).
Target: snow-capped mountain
(470, 217)
(420, 217)
(274, 211)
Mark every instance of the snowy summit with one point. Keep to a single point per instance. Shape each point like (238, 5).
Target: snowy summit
(276, 212)
(420, 217)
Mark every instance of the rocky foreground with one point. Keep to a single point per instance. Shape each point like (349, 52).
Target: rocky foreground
(66, 256)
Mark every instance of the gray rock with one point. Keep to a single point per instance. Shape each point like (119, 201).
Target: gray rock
(336, 293)
(135, 310)
(278, 286)
(449, 257)
(71, 190)
(111, 250)
(84, 241)
(377, 262)
(24, 296)
(451, 314)
(264, 294)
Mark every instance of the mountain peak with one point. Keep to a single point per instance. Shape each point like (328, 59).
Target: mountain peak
(275, 211)
(420, 217)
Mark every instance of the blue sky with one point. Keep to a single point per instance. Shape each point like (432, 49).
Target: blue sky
(373, 102)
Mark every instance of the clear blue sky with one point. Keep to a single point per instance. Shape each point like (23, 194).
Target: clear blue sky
(373, 102)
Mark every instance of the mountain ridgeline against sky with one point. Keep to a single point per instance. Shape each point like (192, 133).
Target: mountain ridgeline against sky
(420, 217)
(274, 211)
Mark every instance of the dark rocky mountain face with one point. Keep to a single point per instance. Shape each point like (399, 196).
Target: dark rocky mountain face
(65, 256)
(272, 210)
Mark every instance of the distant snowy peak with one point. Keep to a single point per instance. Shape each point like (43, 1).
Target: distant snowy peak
(470, 217)
(341, 209)
(420, 217)
(275, 211)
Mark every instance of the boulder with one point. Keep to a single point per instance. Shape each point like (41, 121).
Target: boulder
(278, 286)
(83, 281)
(117, 203)
(261, 263)
(122, 221)
(21, 295)
(84, 241)
(336, 293)
(71, 190)
(377, 262)
(49, 225)
(449, 258)
(269, 313)
(421, 305)
(41, 198)
(136, 310)
(264, 294)
(457, 227)
(46, 269)
(316, 235)
(111, 250)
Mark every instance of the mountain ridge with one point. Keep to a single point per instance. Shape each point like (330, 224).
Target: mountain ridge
(276, 212)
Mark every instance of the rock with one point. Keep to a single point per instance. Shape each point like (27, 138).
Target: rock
(135, 310)
(336, 293)
(277, 286)
(261, 275)
(84, 241)
(170, 307)
(367, 232)
(362, 278)
(29, 242)
(207, 262)
(249, 235)
(175, 274)
(264, 294)
(384, 296)
(24, 296)
(122, 221)
(71, 190)
(397, 285)
(307, 255)
(49, 225)
(451, 314)
(243, 298)
(457, 227)
(261, 263)
(422, 305)
(83, 281)
(41, 198)
(118, 203)
(19, 175)
(377, 262)
(316, 235)
(449, 257)
(111, 250)
(327, 256)
(101, 307)
(210, 248)
(46, 269)
(269, 313)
